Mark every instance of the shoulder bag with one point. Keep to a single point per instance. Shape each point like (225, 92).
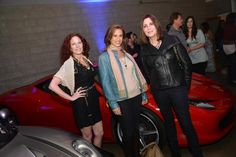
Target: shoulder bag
(151, 150)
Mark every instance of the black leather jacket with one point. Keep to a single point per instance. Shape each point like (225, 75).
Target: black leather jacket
(165, 67)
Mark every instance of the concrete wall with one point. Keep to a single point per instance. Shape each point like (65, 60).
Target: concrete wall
(218, 7)
(233, 2)
(31, 32)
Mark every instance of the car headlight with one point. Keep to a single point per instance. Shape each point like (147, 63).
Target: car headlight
(202, 104)
(85, 148)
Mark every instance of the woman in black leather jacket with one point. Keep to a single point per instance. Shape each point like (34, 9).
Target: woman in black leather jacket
(168, 67)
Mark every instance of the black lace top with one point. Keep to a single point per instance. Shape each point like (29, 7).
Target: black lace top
(83, 77)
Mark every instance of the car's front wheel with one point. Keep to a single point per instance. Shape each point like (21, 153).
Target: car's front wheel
(150, 129)
(8, 116)
(8, 125)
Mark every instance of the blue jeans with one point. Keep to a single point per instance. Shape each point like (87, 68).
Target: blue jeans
(176, 100)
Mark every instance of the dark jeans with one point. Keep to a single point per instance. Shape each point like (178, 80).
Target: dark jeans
(129, 121)
(199, 68)
(176, 99)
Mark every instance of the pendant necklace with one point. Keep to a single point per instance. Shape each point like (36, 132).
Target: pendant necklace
(123, 60)
(80, 63)
(158, 44)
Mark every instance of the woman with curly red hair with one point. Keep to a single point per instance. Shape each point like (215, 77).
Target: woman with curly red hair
(77, 74)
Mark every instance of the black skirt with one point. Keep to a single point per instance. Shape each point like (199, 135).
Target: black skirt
(86, 109)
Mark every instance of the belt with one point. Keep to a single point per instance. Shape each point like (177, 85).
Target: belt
(86, 100)
(87, 88)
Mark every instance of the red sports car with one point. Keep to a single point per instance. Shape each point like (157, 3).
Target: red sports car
(211, 109)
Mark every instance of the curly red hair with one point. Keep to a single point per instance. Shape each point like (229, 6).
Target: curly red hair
(65, 52)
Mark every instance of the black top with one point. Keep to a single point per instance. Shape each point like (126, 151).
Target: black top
(83, 77)
(169, 66)
(135, 49)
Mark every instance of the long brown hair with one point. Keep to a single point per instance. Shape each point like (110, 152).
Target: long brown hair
(110, 32)
(66, 52)
(194, 28)
(143, 38)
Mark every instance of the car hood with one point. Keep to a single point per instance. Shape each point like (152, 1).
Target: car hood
(39, 140)
(208, 90)
(56, 136)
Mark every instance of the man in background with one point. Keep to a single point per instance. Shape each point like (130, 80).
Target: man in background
(175, 29)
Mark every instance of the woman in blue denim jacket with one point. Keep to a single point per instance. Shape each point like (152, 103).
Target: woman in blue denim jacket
(124, 87)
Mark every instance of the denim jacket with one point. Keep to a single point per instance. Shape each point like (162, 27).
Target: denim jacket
(108, 81)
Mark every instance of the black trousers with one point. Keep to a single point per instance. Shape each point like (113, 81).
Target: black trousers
(129, 123)
(199, 68)
(176, 99)
(231, 67)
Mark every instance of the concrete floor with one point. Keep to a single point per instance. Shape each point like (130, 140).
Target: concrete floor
(226, 147)
(223, 148)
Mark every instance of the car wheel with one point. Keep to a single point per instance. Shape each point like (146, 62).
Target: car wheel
(8, 125)
(151, 129)
(8, 116)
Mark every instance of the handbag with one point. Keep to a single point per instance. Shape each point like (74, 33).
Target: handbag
(151, 150)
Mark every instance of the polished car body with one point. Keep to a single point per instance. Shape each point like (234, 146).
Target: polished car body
(39, 141)
(211, 109)
(32, 141)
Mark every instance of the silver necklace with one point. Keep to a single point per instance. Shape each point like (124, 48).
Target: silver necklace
(80, 64)
(157, 45)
